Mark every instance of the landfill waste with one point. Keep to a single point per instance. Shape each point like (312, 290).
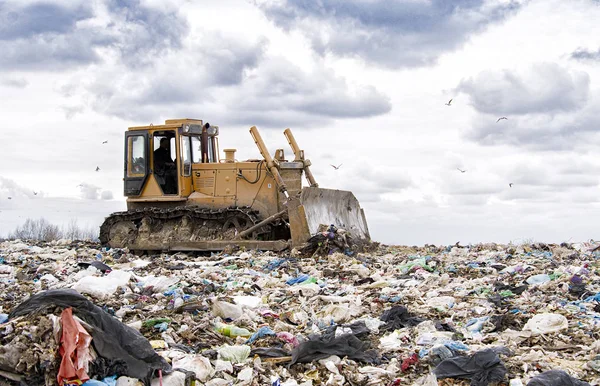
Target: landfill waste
(232, 331)
(118, 346)
(327, 344)
(546, 323)
(482, 368)
(398, 317)
(74, 349)
(555, 378)
(390, 315)
(331, 239)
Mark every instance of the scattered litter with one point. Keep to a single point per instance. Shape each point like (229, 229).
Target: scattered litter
(555, 378)
(546, 323)
(327, 314)
(482, 368)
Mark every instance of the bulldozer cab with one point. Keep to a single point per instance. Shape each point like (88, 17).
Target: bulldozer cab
(159, 159)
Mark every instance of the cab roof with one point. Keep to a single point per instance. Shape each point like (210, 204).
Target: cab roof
(169, 124)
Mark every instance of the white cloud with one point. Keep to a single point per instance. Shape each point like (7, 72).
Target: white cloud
(387, 33)
(10, 188)
(115, 65)
(14, 82)
(93, 192)
(544, 88)
(106, 195)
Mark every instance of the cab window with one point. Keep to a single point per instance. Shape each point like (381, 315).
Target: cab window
(197, 150)
(186, 155)
(136, 160)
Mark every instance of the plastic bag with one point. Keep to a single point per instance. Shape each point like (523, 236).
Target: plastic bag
(104, 286)
(235, 354)
(546, 323)
(398, 317)
(319, 347)
(226, 310)
(555, 378)
(198, 364)
(112, 340)
(482, 368)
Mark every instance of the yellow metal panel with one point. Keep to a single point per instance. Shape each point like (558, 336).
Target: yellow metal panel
(152, 189)
(186, 185)
(180, 122)
(262, 195)
(225, 183)
(204, 181)
(207, 201)
(154, 127)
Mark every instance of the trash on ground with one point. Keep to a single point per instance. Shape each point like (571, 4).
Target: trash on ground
(331, 314)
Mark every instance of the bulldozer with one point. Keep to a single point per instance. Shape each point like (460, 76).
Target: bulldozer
(182, 196)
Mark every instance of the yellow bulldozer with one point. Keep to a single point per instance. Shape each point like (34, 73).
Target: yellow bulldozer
(182, 196)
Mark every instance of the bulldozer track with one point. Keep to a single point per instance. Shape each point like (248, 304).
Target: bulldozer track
(197, 215)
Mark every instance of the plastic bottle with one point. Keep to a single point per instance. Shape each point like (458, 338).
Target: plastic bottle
(232, 331)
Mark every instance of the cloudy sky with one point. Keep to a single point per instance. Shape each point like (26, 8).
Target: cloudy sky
(361, 82)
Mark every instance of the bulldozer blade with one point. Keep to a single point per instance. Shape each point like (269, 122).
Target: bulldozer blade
(329, 206)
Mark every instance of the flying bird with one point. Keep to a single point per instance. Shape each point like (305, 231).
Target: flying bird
(35, 193)
(510, 185)
(97, 168)
(336, 167)
(460, 170)
(10, 198)
(104, 142)
(449, 102)
(501, 118)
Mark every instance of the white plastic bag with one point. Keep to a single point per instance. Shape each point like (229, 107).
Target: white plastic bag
(102, 286)
(196, 363)
(546, 323)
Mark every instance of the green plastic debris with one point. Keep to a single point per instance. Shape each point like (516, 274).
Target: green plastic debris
(419, 263)
(154, 322)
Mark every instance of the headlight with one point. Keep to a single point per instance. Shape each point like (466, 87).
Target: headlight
(213, 130)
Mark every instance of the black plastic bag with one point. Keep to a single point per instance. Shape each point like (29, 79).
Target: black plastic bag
(555, 378)
(323, 346)
(111, 339)
(269, 352)
(398, 317)
(482, 368)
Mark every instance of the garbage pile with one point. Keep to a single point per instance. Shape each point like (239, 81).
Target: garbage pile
(331, 239)
(76, 313)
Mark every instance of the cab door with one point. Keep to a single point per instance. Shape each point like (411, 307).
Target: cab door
(136, 162)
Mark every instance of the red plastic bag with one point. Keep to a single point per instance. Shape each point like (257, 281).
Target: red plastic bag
(74, 349)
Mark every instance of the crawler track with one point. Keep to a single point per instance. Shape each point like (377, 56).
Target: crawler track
(159, 228)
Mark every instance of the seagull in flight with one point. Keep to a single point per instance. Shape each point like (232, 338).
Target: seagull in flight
(460, 170)
(449, 102)
(10, 198)
(97, 168)
(104, 142)
(336, 167)
(510, 185)
(501, 118)
(35, 193)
